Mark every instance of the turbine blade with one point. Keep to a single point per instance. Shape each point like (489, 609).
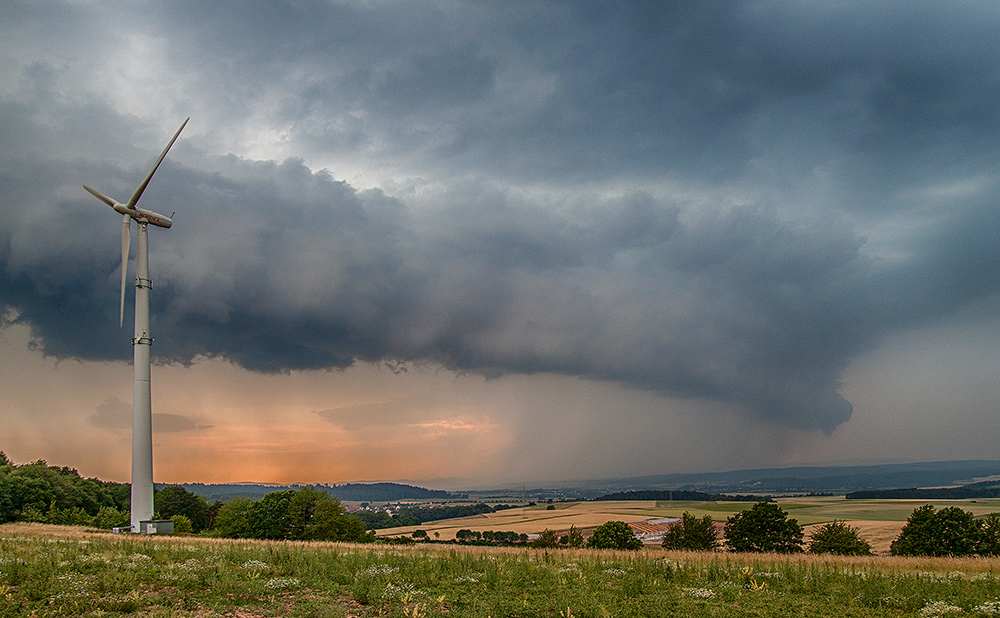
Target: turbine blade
(104, 198)
(142, 187)
(126, 242)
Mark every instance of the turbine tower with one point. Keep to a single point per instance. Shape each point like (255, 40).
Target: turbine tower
(142, 415)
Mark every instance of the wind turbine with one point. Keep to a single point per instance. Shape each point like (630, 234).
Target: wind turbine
(142, 415)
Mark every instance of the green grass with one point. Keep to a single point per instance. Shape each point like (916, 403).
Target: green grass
(101, 575)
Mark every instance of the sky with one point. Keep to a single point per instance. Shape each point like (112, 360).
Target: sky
(469, 244)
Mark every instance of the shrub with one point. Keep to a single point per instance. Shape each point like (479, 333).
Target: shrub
(836, 537)
(989, 542)
(691, 533)
(109, 517)
(764, 527)
(614, 535)
(574, 538)
(547, 538)
(74, 516)
(182, 524)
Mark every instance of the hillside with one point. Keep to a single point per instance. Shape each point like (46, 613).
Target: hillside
(352, 492)
(807, 479)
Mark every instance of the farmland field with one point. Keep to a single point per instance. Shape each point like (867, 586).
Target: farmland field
(63, 571)
(878, 520)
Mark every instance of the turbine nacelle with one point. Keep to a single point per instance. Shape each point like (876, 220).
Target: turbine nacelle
(139, 214)
(144, 216)
(131, 211)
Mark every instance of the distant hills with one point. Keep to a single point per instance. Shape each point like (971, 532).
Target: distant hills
(693, 496)
(352, 492)
(818, 479)
(985, 489)
(900, 478)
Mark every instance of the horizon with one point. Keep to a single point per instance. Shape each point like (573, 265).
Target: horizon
(579, 484)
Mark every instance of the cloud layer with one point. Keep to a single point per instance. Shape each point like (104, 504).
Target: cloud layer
(727, 201)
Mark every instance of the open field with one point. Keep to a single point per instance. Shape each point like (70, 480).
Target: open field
(878, 520)
(56, 571)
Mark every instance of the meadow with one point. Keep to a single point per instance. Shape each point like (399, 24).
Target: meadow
(65, 571)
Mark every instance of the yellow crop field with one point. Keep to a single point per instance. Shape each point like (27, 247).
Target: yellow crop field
(879, 521)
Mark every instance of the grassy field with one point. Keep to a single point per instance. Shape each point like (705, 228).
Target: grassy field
(878, 520)
(55, 571)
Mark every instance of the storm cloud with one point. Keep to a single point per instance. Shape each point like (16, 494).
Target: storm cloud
(727, 201)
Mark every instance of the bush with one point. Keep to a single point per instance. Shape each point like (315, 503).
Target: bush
(74, 516)
(182, 524)
(574, 538)
(989, 542)
(109, 517)
(614, 535)
(836, 537)
(547, 538)
(764, 527)
(691, 533)
(948, 532)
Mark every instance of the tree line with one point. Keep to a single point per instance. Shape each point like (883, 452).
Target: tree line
(42, 493)
(414, 516)
(38, 492)
(766, 527)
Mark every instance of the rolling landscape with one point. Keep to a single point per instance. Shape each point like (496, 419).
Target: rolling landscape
(521, 309)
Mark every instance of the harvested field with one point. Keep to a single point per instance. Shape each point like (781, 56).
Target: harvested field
(879, 521)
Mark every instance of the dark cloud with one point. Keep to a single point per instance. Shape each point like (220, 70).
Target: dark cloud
(711, 200)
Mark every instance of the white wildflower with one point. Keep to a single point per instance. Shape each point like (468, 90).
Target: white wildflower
(403, 592)
(698, 593)
(281, 583)
(255, 565)
(380, 569)
(939, 608)
(191, 564)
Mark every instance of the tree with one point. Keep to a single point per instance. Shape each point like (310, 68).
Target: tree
(691, 533)
(948, 532)
(232, 520)
(836, 537)
(614, 535)
(764, 527)
(989, 542)
(268, 517)
(575, 537)
(547, 538)
(466, 536)
(331, 523)
(175, 500)
(302, 511)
